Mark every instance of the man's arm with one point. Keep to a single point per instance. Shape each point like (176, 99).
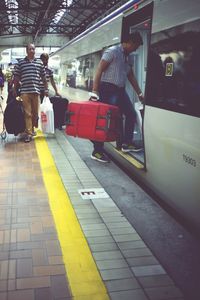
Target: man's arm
(103, 64)
(54, 86)
(44, 80)
(16, 83)
(134, 83)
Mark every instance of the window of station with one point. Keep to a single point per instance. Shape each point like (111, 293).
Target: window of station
(173, 73)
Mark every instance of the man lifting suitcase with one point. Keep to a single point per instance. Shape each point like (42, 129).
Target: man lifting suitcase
(109, 86)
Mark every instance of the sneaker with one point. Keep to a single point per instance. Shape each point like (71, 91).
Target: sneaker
(100, 157)
(27, 139)
(130, 147)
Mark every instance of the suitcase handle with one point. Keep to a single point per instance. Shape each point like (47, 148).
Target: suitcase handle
(68, 115)
(107, 118)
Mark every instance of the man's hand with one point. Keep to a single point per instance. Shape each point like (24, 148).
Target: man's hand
(141, 97)
(46, 93)
(58, 95)
(94, 96)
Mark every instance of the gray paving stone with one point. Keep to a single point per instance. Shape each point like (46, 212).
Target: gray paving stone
(86, 210)
(104, 239)
(148, 270)
(128, 295)
(111, 264)
(112, 214)
(113, 219)
(103, 203)
(164, 293)
(122, 284)
(122, 224)
(142, 261)
(103, 247)
(96, 233)
(116, 274)
(87, 207)
(87, 216)
(131, 245)
(126, 237)
(124, 230)
(94, 226)
(153, 281)
(107, 255)
(91, 221)
(107, 209)
(140, 252)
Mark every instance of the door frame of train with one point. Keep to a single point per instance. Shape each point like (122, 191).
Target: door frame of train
(140, 19)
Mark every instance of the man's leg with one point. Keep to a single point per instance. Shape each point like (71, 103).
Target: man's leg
(98, 152)
(130, 117)
(98, 146)
(27, 116)
(34, 107)
(128, 110)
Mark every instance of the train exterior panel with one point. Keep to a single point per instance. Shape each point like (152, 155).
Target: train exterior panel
(96, 41)
(168, 70)
(173, 159)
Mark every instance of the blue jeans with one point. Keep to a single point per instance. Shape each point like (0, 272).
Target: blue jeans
(111, 94)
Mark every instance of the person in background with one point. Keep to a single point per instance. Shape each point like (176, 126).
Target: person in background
(10, 80)
(9, 77)
(1, 81)
(29, 71)
(109, 86)
(49, 76)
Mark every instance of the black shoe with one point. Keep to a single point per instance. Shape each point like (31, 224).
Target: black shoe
(100, 157)
(27, 139)
(34, 133)
(130, 147)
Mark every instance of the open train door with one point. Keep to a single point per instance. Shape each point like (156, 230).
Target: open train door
(138, 18)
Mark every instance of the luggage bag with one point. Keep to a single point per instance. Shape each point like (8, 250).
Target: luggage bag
(14, 117)
(93, 120)
(59, 108)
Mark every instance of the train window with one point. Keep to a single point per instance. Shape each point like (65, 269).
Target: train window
(173, 72)
(80, 71)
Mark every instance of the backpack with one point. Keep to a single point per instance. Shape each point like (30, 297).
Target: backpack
(14, 117)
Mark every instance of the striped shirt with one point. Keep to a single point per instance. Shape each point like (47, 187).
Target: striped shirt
(119, 66)
(30, 72)
(49, 75)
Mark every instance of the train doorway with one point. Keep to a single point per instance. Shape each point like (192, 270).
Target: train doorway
(139, 20)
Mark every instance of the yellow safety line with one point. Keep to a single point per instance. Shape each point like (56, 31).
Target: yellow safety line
(82, 273)
(132, 160)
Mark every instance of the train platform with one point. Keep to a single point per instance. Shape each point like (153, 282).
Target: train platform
(62, 234)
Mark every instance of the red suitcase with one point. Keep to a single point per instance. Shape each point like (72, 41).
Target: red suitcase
(93, 120)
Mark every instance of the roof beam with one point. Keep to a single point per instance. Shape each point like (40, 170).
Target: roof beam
(41, 22)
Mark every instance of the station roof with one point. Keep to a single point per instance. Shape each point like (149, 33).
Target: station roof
(67, 17)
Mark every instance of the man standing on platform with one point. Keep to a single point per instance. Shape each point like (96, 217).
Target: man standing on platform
(29, 71)
(109, 86)
(49, 76)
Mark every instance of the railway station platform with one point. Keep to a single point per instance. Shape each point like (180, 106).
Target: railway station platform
(55, 242)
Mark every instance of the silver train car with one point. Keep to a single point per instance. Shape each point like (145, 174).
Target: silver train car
(167, 67)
